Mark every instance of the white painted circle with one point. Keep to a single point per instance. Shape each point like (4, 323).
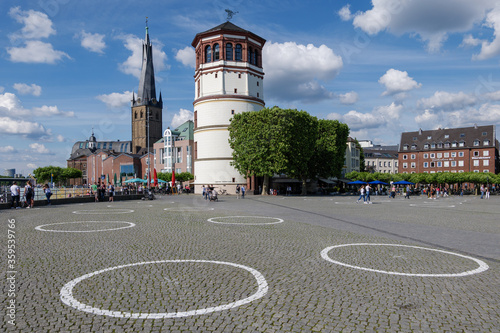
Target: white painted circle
(42, 227)
(482, 265)
(432, 206)
(104, 212)
(68, 299)
(212, 219)
(188, 209)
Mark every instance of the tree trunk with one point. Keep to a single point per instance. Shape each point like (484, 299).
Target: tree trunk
(265, 185)
(304, 187)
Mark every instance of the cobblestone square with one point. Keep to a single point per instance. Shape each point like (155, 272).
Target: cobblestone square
(259, 264)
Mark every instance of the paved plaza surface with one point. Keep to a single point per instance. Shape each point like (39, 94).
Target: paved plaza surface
(259, 264)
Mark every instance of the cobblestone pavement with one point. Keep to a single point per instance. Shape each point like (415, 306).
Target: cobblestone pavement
(260, 264)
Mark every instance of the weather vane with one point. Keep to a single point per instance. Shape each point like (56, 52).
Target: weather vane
(230, 14)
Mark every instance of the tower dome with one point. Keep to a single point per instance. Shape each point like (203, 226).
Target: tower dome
(228, 80)
(92, 142)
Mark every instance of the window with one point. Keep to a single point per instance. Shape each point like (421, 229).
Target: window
(215, 75)
(415, 138)
(110, 145)
(460, 154)
(446, 136)
(462, 135)
(460, 163)
(249, 55)
(453, 163)
(235, 90)
(135, 115)
(486, 162)
(413, 147)
(440, 145)
(439, 164)
(426, 146)
(256, 58)
(258, 83)
(426, 155)
(208, 54)
(446, 155)
(412, 156)
(433, 164)
(485, 133)
(486, 142)
(429, 137)
(439, 155)
(461, 144)
(258, 95)
(476, 153)
(433, 145)
(389, 164)
(405, 165)
(232, 111)
(405, 157)
(229, 52)
(238, 52)
(433, 155)
(446, 164)
(405, 147)
(413, 165)
(486, 153)
(426, 164)
(385, 163)
(216, 52)
(476, 143)
(447, 145)
(454, 154)
(454, 144)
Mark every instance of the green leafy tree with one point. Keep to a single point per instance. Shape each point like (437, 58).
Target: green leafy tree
(330, 149)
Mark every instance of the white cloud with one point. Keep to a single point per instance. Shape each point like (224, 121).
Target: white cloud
(486, 114)
(428, 119)
(61, 138)
(430, 19)
(345, 13)
(380, 116)
(32, 165)
(24, 89)
(49, 111)
(349, 98)
(36, 24)
(396, 82)
(293, 70)
(116, 100)
(92, 42)
(491, 49)
(7, 150)
(38, 148)
(470, 41)
(186, 56)
(24, 128)
(494, 96)
(181, 117)
(35, 51)
(443, 100)
(133, 64)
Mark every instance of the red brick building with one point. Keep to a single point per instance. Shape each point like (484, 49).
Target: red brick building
(469, 149)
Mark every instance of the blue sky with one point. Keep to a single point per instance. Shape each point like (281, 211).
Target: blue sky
(381, 66)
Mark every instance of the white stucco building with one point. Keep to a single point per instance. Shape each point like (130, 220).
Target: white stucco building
(228, 81)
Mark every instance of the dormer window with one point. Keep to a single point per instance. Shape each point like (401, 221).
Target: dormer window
(433, 145)
(486, 142)
(429, 137)
(405, 147)
(447, 145)
(461, 144)
(414, 147)
(454, 144)
(476, 143)
(440, 145)
(426, 146)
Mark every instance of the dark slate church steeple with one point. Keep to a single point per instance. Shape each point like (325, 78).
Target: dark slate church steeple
(146, 103)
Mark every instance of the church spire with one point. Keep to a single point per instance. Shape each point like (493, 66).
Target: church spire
(147, 90)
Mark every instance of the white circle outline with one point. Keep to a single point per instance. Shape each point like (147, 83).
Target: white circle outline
(102, 211)
(257, 217)
(188, 209)
(482, 265)
(67, 298)
(40, 227)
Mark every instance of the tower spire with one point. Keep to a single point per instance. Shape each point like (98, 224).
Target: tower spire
(147, 89)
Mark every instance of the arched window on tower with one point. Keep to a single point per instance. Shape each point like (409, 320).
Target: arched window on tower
(238, 52)
(208, 54)
(229, 52)
(142, 114)
(250, 52)
(216, 52)
(257, 58)
(135, 115)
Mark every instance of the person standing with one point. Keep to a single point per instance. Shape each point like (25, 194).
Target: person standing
(393, 192)
(28, 194)
(237, 191)
(243, 191)
(487, 193)
(204, 192)
(407, 194)
(95, 191)
(111, 191)
(48, 192)
(15, 194)
(368, 190)
(482, 191)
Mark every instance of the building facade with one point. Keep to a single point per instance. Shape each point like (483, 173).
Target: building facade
(352, 157)
(468, 149)
(228, 80)
(175, 150)
(383, 159)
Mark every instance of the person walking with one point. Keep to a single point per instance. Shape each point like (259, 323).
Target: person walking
(48, 193)
(361, 194)
(482, 191)
(15, 194)
(111, 192)
(393, 192)
(487, 193)
(368, 191)
(243, 191)
(407, 194)
(95, 191)
(238, 191)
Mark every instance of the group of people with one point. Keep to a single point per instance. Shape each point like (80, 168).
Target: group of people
(99, 191)
(29, 195)
(364, 193)
(485, 192)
